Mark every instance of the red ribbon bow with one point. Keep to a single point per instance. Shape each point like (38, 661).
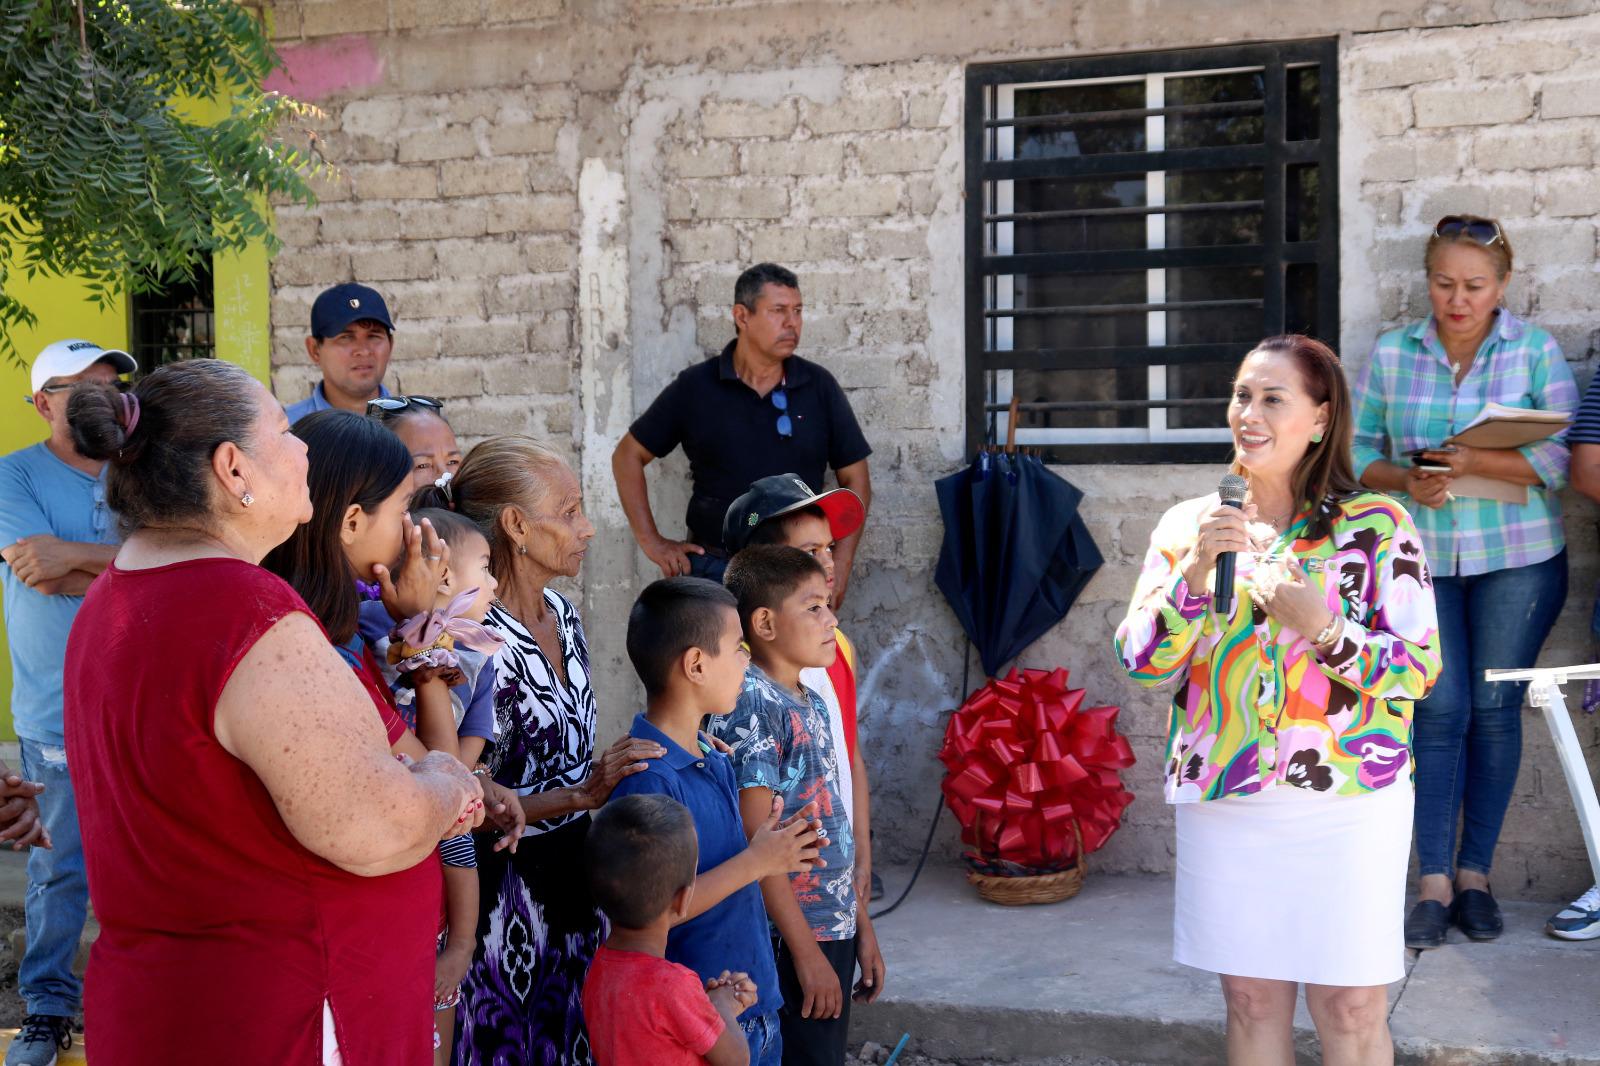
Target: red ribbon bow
(1024, 760)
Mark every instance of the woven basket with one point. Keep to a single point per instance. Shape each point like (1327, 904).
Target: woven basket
(1034, 888)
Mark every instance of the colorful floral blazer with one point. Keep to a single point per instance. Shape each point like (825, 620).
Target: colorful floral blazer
(1257, 705)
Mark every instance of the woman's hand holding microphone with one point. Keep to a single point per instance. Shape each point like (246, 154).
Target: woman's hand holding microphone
(1280, 587)
(1225, 529)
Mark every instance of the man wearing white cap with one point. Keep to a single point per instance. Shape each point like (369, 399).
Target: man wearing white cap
(56, 535)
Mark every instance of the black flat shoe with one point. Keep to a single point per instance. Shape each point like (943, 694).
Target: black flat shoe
(1427, 924)
(1477, 914)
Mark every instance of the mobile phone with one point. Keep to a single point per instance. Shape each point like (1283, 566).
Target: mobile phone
(1429, 466)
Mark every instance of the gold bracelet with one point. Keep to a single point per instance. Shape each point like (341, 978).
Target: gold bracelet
(1329, 631)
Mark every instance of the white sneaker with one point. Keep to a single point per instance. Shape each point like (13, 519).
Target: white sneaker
(1579, 920)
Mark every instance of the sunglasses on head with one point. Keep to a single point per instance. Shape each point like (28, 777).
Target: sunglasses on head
(389, 405)
(1480, 230)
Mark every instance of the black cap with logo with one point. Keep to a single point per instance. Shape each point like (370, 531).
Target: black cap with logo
(781, 494)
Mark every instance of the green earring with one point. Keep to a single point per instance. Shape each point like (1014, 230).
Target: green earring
(1316, 438)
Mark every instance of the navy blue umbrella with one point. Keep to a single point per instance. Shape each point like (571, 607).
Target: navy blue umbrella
(1016, 553)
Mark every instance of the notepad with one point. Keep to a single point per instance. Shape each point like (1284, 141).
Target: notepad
(1500, 426)
(1489, 488)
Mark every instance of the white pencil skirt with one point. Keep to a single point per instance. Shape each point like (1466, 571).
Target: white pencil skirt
(1295, 885)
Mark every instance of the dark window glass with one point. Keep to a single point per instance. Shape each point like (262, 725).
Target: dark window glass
(1229, 300)
(1300, 295)
(177, 321)
(1233, 112)
(1078, 215)
(1079, 310)
(1105, 384)
(1304, 107)
(1304, 186)
(1225, 207)
(1200, 381)
(1055, 132)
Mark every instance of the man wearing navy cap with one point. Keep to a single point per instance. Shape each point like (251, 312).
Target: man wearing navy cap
(351, 340)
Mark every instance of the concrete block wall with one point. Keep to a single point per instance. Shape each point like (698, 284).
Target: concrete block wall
(560, 196)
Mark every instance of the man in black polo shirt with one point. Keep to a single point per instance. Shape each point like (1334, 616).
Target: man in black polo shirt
(753, 411)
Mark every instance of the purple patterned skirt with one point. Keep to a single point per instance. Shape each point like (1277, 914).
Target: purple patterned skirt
(538, 930)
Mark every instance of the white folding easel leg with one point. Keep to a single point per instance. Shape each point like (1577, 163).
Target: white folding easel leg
(1568, 750)
(1544, 692)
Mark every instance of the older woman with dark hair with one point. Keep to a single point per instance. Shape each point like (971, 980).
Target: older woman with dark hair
(1287, 754)
(538, 927)
(255, 853)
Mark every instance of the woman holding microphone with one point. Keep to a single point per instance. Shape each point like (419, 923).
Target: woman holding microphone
(1288, 752)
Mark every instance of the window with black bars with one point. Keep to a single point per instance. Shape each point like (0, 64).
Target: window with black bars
(176, 321)
(1134, 224)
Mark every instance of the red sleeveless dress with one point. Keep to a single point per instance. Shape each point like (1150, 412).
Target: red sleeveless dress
(221, 936)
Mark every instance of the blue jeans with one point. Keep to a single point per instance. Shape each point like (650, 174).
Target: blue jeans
(1467, 735)
(761, 1032)
(57, 902)
(711, 567)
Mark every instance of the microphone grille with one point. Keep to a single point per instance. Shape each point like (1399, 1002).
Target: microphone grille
(1232, 488)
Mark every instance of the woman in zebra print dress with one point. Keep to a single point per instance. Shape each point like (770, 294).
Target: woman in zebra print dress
(537, 927)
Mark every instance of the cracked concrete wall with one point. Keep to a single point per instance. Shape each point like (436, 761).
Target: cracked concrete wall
(558, 195)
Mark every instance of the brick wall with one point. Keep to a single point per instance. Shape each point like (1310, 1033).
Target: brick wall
(559, 196)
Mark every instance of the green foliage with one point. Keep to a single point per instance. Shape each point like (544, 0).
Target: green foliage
(101, 176)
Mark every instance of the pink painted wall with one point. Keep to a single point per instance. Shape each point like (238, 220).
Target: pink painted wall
(319, 69)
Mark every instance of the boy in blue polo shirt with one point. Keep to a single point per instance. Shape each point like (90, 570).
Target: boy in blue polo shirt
(686, 645)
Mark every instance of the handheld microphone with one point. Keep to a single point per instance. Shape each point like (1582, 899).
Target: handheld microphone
(1232, 489)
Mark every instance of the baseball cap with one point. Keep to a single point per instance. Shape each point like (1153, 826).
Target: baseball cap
(66, 358)
(781, 494)
(343, 304)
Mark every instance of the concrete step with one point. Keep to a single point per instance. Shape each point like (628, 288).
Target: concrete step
(1094, 976)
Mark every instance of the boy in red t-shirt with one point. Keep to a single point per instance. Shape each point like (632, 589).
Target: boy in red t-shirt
(642, 1010)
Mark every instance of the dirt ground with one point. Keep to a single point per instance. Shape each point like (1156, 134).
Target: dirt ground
(10, 1002)
(871, 1054)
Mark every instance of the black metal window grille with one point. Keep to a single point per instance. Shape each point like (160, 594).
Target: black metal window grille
(1134, 223)
(176, 321)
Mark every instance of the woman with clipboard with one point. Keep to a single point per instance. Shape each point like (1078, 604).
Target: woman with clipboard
(1432, 422)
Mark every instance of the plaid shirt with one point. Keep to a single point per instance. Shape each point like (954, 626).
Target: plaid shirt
(1408, 399)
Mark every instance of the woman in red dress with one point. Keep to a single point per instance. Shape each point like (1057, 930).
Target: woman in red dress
(255, 854)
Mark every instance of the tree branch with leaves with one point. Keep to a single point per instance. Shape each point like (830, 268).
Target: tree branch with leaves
(105, 174)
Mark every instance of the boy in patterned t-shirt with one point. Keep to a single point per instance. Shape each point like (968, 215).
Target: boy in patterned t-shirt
(783, 745)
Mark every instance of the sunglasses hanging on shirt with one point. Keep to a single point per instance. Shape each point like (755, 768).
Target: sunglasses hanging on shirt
(780, 400)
